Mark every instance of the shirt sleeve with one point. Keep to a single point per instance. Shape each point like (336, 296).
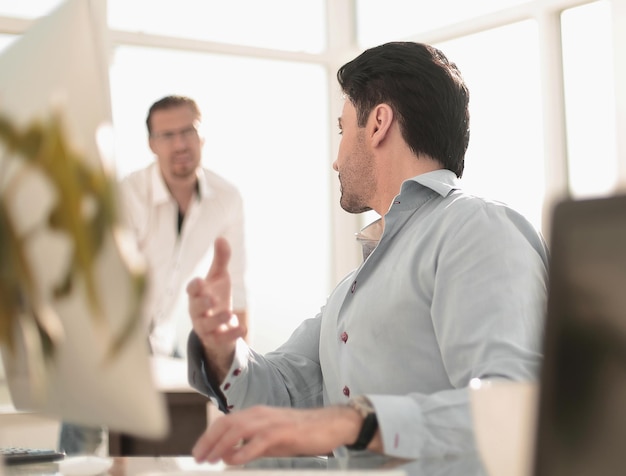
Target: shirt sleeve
(197, 375)
(439, 424)
(289, 376)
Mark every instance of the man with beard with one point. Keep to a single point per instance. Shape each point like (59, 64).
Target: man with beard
(454, 289)
(176, 209)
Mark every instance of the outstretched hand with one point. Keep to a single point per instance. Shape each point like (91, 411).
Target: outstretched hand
(210, 309)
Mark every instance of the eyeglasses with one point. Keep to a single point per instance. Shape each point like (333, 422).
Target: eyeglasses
(169, 137)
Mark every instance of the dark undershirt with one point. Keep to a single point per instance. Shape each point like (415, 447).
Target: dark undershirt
(181, 218)
(181, 215)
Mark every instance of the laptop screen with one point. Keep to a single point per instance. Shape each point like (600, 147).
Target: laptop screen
(582, 404)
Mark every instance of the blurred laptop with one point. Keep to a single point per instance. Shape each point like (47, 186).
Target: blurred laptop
(582, 404)
(59, 70)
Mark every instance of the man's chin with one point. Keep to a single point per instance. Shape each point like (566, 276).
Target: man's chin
(183, 173)
(355, 209)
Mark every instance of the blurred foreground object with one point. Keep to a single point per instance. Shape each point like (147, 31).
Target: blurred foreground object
(72, 334)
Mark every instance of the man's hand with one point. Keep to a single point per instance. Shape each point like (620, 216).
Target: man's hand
(211, 314)
(262, 431)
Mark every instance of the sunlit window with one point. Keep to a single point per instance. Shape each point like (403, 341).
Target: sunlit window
(28, 8)
(6, 40)
(505, 158)
(590, 99)
(279, 24)
(402, 18)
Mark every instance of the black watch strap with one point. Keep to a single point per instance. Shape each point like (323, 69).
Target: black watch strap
(370, 422)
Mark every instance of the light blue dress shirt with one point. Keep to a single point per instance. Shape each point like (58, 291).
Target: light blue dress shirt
(456, 289)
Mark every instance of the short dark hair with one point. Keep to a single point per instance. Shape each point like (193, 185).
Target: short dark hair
(169, 102)
(425, 90)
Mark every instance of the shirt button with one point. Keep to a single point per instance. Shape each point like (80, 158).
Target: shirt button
(344, 337)
(236, 372)
(227, 386)
(346, 391)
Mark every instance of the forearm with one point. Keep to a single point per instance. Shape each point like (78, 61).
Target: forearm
(199, 376)
(217, 365)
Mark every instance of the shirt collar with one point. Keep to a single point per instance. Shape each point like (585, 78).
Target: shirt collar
(442, 181)
(161, 192)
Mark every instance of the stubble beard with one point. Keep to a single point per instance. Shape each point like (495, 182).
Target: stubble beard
(358, 185)
(183, 174)
(357, 200)
(352, 205)
(183, 171)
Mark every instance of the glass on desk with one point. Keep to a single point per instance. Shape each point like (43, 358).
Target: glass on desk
(504, 414)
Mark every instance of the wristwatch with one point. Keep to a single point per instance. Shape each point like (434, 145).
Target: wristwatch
(370, 423)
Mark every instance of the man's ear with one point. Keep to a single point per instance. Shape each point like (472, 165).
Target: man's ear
(381, 120)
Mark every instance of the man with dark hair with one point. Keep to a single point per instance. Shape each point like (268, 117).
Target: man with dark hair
(454, 289)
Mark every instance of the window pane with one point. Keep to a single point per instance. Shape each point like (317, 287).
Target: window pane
(6, 40)
(504, 160)
(265, 124)
(403, 18)
(28, 8)
(277, 24)
(589, 99)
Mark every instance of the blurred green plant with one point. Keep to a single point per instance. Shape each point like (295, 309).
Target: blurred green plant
(42, 145)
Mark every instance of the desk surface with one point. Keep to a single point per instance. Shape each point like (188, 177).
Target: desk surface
(467, 465)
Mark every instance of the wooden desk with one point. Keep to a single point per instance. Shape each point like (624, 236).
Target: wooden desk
(188, 413)
(188, 416)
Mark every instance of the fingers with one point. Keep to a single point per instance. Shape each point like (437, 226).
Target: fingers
(260, 431)
(205, 447)
(221, 329)
(224, 440)
(210, 304)
(221, 257)
(194, 287)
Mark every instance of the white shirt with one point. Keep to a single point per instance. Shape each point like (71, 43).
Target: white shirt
(174, 258)
(456, 289)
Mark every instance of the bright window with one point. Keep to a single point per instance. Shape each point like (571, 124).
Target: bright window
(589, 99)
(6, 40)
(398, 19)
(505, 159)
(28, 8)
(279, 24)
